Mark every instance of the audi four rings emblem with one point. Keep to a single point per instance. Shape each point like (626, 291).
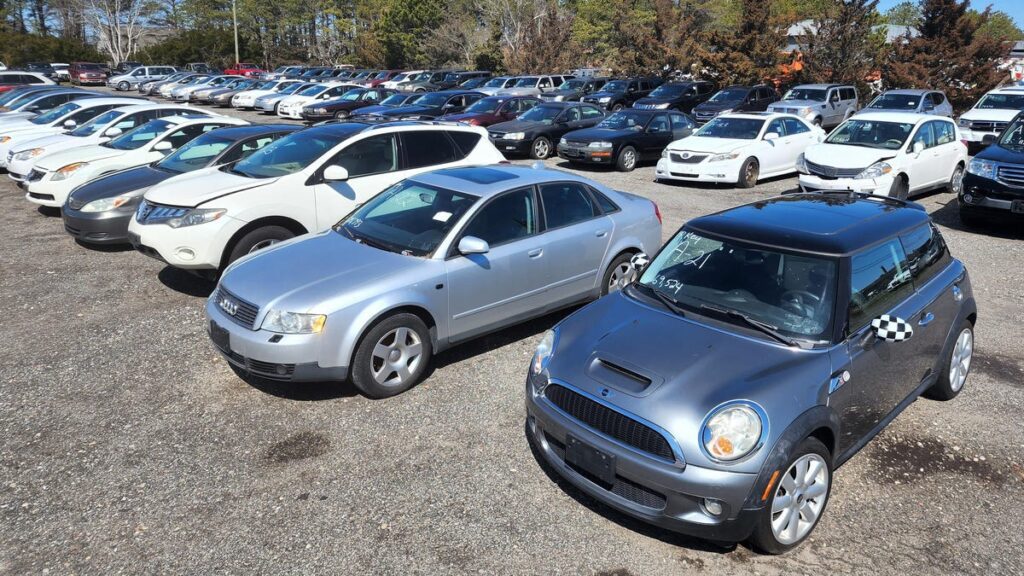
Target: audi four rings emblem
(228, 305)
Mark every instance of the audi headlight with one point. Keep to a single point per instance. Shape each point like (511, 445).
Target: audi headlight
(515, 135)
(983, 168)
(876, 170)
(963, 122)
(28, 154)
(293, 322)
(599, 145)
(104, 204)
(732, 431)
(801, 164)
(723, 157)
(67, 171)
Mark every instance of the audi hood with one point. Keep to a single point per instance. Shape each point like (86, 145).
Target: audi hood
(195, 188)
(845, 156)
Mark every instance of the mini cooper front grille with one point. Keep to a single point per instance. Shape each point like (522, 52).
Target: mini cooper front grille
(241, 312)
(1011, 175)
(609, 422)
(686, 157)
(830, 172)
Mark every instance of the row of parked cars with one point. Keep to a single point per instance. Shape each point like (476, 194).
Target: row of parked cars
(357, 250)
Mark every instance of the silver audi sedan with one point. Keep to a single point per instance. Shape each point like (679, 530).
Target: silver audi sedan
(432, 261)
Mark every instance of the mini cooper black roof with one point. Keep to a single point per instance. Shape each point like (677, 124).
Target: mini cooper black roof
(832, 223)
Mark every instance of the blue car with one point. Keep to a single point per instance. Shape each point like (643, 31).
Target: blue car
(763, 347)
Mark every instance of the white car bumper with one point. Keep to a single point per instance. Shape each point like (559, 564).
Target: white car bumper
(975, 136)
(237, 102)
(197, 247)
(18, 169)
(703, 171)
(45, 192)
(879, 186)
(293, 112)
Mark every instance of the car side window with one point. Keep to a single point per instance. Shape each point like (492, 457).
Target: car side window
(374, 155)
(589, 112)
(180, 137)
(428, 148)
(464, 141)
(680, 121)
(944, 132)
(605, 203)
(925, 135)
(794, 126)
(926, 252)
(571, 115)
(511, 216)
(776, 126)
(83, 116)
(938, 98)
(659, 124)
(879, 281)
(246, 148)
(565, 203)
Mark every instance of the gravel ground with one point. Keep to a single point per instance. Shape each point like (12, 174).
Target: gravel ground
(128, 446)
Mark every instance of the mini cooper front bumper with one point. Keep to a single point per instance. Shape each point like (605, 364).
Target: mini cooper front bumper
(669, 495)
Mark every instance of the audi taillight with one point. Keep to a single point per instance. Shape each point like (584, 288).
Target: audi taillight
(657, 211)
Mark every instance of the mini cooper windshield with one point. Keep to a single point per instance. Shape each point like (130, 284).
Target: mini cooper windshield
(287, 155)
(816, 94)
(410, 218)
(785, 295)
(871, 134)
(195, 154)
(896, 102)
(625, 120)
(737, 128)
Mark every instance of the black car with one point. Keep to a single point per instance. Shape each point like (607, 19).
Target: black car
(435, 104)
(993, 185)
(396, 100)
(535, 131)
(676, 96)
(622, 93)
(574, 89)
(346, 105)
(99, 211)
(455, 79)
(736, 99)
(43, 68)
(626, 138)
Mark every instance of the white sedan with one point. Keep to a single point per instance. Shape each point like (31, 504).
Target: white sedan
(102, 128)
(888, 154)
(56, 175)
(246, 99)
(739, 148)
(291, 106)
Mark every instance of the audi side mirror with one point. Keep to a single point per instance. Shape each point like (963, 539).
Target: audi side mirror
(473, 245)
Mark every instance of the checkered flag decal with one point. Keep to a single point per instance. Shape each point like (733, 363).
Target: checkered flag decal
(639, 261)
(891, 328)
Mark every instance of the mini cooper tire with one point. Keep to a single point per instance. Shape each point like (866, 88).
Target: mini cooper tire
(258, 239)
(748, 173)
(957, 366)
(123, 86)
(618, 267)
(627, 159)
(401, 338)
(541, 148)
(810, 501)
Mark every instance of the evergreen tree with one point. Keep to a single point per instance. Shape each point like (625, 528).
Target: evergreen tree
(752, 51)
(845, 48)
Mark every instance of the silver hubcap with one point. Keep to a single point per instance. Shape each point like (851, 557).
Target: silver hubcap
(619, 275)
(541, 149)
(958, 180)
(262, 244)
(799, 499)
(960, 363)
(628, 158)
(396, 356)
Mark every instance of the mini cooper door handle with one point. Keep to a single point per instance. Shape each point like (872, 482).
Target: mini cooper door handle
(926, 319)
(535, 253)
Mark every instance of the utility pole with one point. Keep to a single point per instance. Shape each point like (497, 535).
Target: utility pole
(234, 17)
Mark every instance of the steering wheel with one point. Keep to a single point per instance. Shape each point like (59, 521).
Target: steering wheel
(800, 302)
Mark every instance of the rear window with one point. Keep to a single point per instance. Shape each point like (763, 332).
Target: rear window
(465, 141)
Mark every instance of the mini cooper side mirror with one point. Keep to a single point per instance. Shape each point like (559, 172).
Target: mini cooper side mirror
(892, 328)
(771, 136)
(162, 146)
(989, 139)
(473, 245)
(335, 173)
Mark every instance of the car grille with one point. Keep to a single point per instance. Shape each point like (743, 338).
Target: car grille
(1011, 175)
(241, 312)
(686, 157)
(831, 173)
(702, 116)
(781, 110)
(34, 175)
(577, 144)
(989, 126)
(623, 487)
(609, 422)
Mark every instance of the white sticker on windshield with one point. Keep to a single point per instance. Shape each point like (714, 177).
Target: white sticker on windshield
(442, 216)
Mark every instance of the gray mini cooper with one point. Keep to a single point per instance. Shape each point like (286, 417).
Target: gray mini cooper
(760, 350)
(434, 260)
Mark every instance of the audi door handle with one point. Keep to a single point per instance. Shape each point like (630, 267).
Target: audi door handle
(535, 253)
(926, 319)
(601, 233)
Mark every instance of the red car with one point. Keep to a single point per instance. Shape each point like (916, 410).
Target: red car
(493, 109)
(382, 77)
(244, 69)
(82, 73)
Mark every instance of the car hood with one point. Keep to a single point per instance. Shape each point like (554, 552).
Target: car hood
(997, 153)
(554, 93)
(195, 188)
(375, 109)
(603, 94)
(466, 117)
(717, 106)
(843, 156)
(518, 126)
(53, 141)
(520, 91)
(92, 153)
(255, 93)
(710, 145)
(18, 124)
(312, 270)
(598, 134)
(996, 114)
(132, 181)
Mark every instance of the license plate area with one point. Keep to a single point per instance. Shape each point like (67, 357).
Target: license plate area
(598, 464)
(1017, 206)
(221, 338)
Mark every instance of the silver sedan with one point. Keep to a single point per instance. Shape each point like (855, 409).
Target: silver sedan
(434, 260)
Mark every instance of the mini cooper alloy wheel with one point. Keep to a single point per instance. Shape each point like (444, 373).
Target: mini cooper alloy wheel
(960, 361)
(396, 357)
(799, 499)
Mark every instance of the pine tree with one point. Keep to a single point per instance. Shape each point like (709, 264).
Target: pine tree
(751, 51)
(845, 48)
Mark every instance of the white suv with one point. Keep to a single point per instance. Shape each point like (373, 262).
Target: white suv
(991, 114)
(304, 182)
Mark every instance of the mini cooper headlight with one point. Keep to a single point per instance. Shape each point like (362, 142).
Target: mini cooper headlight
(983, 168)
(104, 204)
(732, 431)
(876, 170)
(723, 157)
(28, 154)
(293, 322)
(599, 145)
(67, 171)
(545, 348)
(515, 136)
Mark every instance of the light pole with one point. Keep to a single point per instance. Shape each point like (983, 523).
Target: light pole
(234, 17)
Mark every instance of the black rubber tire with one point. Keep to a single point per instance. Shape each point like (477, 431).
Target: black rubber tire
(620, 160)
(361, 376)
(617, 106)
(816, 122)
(943, 389)
(762, 537)
(900, 188)
(953, 186)
(607, 277)
(970, 218)
(748, 178)
(252, 238)
(342, 114)
(537, 154)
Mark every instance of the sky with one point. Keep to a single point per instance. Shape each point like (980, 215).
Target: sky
(1015, 8)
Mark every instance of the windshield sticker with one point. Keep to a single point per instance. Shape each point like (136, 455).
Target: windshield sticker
(442, 216)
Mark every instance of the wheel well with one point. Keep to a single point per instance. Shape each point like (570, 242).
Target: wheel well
(826, 437)
(972, 318)
(418, 311)
(292, 225)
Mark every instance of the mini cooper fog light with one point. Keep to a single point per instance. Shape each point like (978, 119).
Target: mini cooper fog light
(713, 507)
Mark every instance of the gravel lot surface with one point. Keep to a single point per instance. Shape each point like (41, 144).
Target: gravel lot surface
(128, 446)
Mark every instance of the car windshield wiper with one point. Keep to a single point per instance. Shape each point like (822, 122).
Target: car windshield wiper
(755, 324)
(671, 303)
